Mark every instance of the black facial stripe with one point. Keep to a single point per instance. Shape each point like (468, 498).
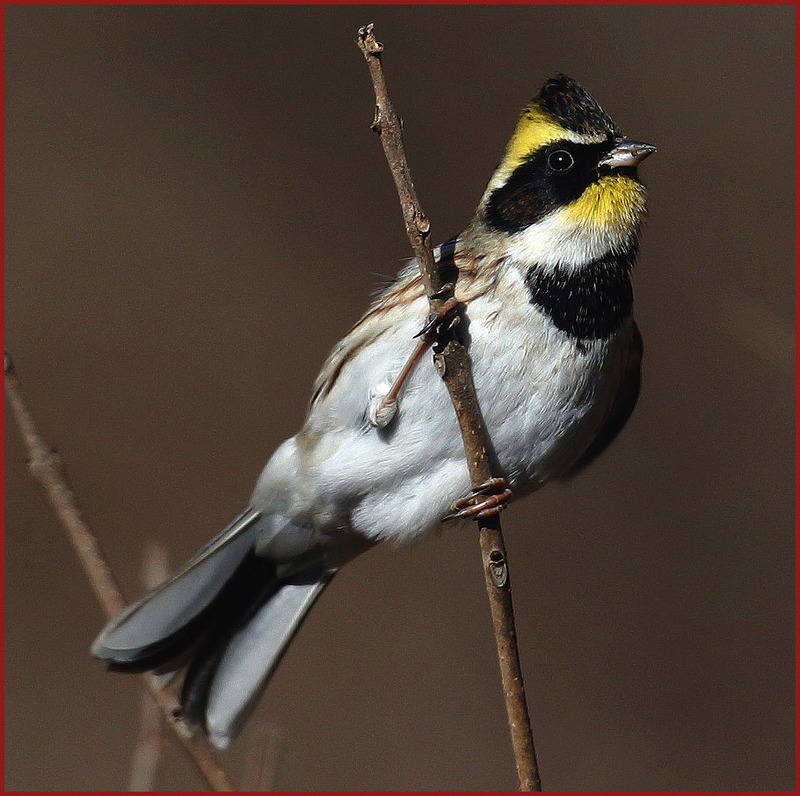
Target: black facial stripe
(574, 107)
(588, 303)
(535, 189)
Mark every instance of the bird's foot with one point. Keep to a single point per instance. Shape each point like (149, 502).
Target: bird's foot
(444, 318)
(491, 497)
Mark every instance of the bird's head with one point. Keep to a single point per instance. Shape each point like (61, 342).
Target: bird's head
(567, 189)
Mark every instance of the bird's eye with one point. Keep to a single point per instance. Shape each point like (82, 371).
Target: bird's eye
(560, 160)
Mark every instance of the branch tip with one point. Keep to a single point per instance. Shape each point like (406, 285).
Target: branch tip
(367, 42)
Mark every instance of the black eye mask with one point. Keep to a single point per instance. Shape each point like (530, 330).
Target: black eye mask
(552, 177)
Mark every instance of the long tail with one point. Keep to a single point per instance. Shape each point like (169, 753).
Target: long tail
(230, 613)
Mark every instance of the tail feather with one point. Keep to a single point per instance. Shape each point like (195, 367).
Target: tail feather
(230, 614)
(164, 622)
(251, 586)
(252, 654)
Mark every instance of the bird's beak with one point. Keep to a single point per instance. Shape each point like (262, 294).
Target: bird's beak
(627, 153)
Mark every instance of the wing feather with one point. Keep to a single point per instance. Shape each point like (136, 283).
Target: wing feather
(621, 410)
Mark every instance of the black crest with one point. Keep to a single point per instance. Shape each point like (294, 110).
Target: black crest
(574, 107)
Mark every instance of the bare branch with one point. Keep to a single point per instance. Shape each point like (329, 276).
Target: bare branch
(47, 470)
(147, 752)
(262, 759)
(457, 375)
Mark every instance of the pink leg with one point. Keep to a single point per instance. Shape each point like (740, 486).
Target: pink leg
(383, 412)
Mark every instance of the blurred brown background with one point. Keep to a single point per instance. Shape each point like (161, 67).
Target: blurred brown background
(197, 211)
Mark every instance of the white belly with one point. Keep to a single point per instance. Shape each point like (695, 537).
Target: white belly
(543, 397)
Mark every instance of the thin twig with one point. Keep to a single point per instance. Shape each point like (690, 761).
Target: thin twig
(47, 469)
(262, 760)
(457, 375)
(147, 751)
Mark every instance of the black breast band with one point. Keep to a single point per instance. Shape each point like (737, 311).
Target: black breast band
(589, 302)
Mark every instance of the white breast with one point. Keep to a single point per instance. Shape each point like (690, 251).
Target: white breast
(543, 398)
(543, 394)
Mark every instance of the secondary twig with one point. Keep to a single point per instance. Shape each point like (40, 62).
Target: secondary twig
(262, 760)
(457, 375)
(46, 468)
(147, 751)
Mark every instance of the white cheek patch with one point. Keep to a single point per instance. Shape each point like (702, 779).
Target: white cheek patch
(558, 241)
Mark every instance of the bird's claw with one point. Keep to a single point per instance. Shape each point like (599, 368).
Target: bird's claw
(495, 496)
(445, 291)
(446, 314)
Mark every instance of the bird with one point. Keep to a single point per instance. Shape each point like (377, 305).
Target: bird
(541, 278)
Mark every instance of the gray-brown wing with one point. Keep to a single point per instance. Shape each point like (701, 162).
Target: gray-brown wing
(621, 409)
